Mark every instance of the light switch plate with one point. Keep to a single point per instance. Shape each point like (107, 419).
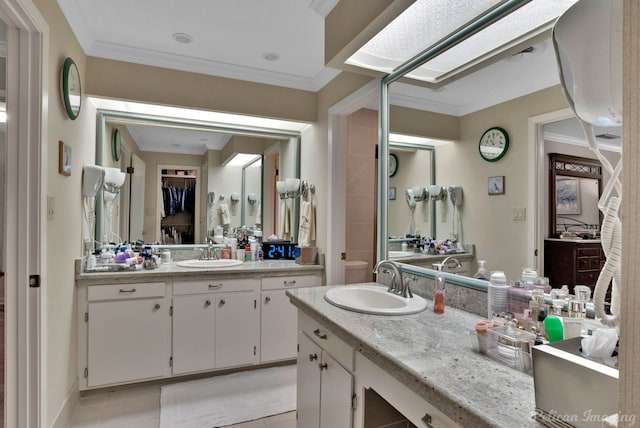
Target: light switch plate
(519, 214)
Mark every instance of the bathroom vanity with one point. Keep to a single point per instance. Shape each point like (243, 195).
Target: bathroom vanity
(422, 365)
(142, 325)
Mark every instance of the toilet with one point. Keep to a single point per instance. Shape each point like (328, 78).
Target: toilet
(355, 271)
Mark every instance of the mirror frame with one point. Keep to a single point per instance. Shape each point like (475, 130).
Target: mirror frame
(557, 164)
(243, 206)
(127, 117)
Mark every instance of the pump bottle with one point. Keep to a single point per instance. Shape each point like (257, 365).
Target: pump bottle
(438, 290)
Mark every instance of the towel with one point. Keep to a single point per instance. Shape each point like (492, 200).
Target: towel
(223, 209)
(285, 220)
(259, 213)
(307, 228)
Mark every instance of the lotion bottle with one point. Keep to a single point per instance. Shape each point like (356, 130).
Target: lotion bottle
(438, 290)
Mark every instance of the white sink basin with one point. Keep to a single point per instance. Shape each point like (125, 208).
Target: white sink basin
(374, 299)
(209, 264)
(398, 254)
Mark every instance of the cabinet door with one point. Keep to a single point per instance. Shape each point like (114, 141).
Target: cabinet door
(193, 333)
(126, 341)
(279, 333)
(336, 391)
(308, 388)
(237, 329)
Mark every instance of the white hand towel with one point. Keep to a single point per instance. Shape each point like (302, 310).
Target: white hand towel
(225, 218)
(259, 213)
(307, 228)
(285, 220)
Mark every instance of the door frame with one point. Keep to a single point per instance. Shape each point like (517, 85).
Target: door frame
(25, 240)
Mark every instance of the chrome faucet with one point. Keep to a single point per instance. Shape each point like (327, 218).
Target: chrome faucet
(210, 252)
(396, 278)
(450, 258)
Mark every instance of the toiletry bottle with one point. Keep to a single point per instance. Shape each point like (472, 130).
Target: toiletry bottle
(497, 294)
(259, 253)
(482, 271)
(438, 291)
(226, 252)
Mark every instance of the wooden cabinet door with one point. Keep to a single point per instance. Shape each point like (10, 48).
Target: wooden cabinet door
(336, 391)
(193, 333)
(279, 321)
(127, 341)
(237, 329)
(308, 388)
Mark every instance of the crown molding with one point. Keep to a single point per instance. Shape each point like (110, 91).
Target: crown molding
(565, 139)
(323, 7)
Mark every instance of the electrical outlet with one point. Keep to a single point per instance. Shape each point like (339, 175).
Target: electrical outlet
(51, 207)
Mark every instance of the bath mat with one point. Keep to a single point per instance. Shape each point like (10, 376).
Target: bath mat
(228, 399)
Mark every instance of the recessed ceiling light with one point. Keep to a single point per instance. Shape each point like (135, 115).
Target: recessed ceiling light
(271, 56)
(176, 145)
(182, 37)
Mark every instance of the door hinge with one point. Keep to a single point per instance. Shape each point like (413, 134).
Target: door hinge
(86, 372)
(255, 304)
(171, 311)
(130, 170)
(34, 281)
(255, 350)
(170, 361)
(354, 402)
(343, 256)
(86, 317)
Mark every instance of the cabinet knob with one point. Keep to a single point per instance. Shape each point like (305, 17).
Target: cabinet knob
(319, 335)
(267, 299)
(313, 357)
(323, 366)
(222, 302)
(207, 303)
(289, 283)
(157, 306)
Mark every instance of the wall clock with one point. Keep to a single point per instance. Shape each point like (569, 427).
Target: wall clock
(393, 164)
(494, 144)
(70, 88)
(116, 144)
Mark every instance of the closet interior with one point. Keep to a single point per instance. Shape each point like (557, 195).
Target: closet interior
(178, 206)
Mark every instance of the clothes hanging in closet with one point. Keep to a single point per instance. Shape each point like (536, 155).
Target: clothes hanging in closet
(178, 199)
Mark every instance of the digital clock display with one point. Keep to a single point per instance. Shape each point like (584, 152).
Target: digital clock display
(279, 250)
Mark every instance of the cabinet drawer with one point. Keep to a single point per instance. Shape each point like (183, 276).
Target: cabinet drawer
(125, 291)
(328, 341)
(595, 251)
(583, 263)
(587, 278)
(296, 281)
(215, 286)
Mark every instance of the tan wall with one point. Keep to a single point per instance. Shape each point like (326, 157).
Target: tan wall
(63, 233)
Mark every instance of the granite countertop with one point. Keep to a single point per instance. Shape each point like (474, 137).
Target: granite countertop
(432, 355)
(434, 257)
(264, 268)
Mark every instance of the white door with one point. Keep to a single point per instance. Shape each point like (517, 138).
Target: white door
(308, 388)
(126, 341)
(336, 390)
(136, 211)
(193, 333)
(279, 336)
(237, 329)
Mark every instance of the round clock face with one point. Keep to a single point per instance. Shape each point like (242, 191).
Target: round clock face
(117, 145)
(494, 144)
(393, 164)
(71, 88)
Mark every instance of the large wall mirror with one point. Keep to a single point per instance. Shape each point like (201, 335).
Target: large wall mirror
(575, 185)
(188, 178)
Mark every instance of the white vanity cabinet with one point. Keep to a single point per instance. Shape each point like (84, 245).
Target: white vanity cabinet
(126, 331)
(215, 324)
(279, 318)
(325, 383)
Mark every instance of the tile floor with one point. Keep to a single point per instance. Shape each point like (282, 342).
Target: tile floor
(139, 407)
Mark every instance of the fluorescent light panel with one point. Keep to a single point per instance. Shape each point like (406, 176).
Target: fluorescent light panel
(429, 21)
(421, 141)
(241, 159)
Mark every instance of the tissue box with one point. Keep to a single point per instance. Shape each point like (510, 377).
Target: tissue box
(570, 389)
(306, 255)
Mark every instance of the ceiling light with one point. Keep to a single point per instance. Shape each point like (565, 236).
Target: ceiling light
(420, 141)
(271, 56)
(182, 37)
(241, 159)
(428, 22)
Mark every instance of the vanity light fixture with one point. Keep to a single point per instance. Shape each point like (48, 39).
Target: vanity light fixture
(293, 187)
(427, 22)
(235, 198)
(281, 187)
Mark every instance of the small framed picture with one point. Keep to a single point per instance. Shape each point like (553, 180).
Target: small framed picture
(64, 158)
(392, 193)
(496, 185)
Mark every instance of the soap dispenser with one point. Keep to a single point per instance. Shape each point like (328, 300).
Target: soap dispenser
(482, 271)
(438, 290)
